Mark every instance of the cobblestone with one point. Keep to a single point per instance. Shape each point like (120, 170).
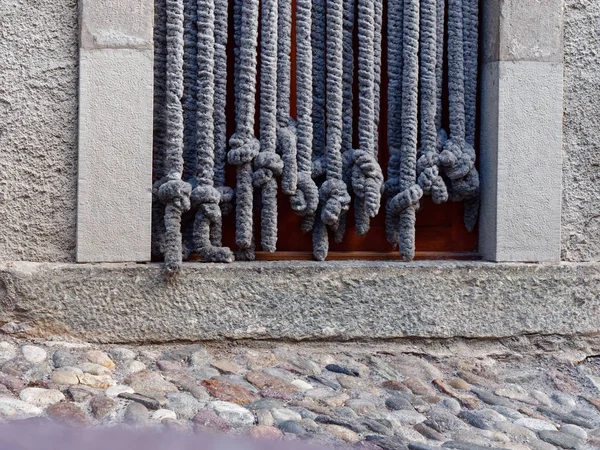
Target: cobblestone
(355, 397)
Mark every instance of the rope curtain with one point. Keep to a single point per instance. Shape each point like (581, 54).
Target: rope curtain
(319, 161)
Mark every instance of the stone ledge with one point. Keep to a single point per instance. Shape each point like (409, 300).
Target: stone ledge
(130, 303)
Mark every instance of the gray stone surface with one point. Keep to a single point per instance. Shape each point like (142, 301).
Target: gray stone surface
(299, 300)
(38, 130)
(581, 155)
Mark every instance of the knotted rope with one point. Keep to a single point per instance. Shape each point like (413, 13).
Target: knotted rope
(205, 197)
(458, 155)
(159, 137)
(428, 171)
(404, 204)
(268, 164)
(318, 40)
(244, 146)
(220, 119)
(333, 194)
(171, 190)
(306, 199)
(286, 127)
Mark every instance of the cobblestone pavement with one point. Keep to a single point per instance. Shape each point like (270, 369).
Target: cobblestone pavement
(470, 395)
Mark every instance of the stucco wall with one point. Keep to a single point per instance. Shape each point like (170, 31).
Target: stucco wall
(38, 129)
(581, 157)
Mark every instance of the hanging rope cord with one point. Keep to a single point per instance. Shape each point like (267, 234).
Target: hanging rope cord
(268, 164)
(159, 136)
(306, 199)
(405, 203)
(333, 194)
(205, 197)
(172, 191)
(458, 155)
(286, 127)
(318, 40)
(428, 171)
(244, 146)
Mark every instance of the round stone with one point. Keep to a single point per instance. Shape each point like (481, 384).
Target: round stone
(343, 433)
(360, 406)
(134, 366)
(291, 426)
(99, 357)
(285, 414)
(575, 431)
(161, 414)
(41, 397)
(94, 369)
(34, 354)
(452, 404)
(96, 381)
(207, 420)
(264, 432)
(237, 416)
(200, 358)
(66, 376)
(12, 408)
(136, 414)
(564, 400)
(122, 354)
(114, 391)
(7, 352)
(535, 424)
(396, 403)
(264, 417)
(541, 397)
(406, 417)
(64, 358)
(102, 406)
(68, 414)
(459, 383)
(184, 404)
(302, 385)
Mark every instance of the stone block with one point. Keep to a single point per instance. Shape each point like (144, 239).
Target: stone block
(117, 24)
(115, 155)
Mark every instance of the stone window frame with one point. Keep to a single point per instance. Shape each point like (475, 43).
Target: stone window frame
(521, 111)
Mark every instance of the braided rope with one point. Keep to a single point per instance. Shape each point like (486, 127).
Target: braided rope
(406, 202)
(458, 155)
(159, 137)
(220, 119)
(244, 146)
(318, 40)
(172, 191)
(428, 171)
(286, 127)
(395, 67)
(268, 164)
(333, 194)
(306, 199)
(205, 197)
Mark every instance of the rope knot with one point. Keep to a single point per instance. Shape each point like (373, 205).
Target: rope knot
(408, 198)
(267, 165)
(242, 151)
(306, 199)
(366, 178)
(429, 177)
(226, 200)
(207, 198)
(457, 158)
(176, 192)
(319, 167)
(336, 200)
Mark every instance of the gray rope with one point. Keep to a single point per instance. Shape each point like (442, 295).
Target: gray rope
(333, 194)
(406, 202)
(220, 119)
(428, 171)
(319, 26)
(159, 137)
(173, 192)
(306, 199)
(377, 69)
(244, 146)
(395, 66)
(205, 197)
(439, 71)
(268, 164)
(458, 155)
(286, 127)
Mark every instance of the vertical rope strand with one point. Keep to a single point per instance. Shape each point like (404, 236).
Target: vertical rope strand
(395, 25)
(205, 197)
(220, 119)
(244, 146)
(439, 71)
(428, 170)
(174, 193)
(406, 202)
(306, 199)
(333, 194)
(159, 137)
(318, 39)
(268, 164)
(286, 127)
(458, 155)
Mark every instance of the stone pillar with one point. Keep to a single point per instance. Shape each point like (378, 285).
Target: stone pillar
(115, 130)
(521, 130)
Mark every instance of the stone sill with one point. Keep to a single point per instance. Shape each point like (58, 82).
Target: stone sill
(299, 300)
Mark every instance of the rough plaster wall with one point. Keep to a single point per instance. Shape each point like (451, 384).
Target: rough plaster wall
(38, 129)
(581, 158)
